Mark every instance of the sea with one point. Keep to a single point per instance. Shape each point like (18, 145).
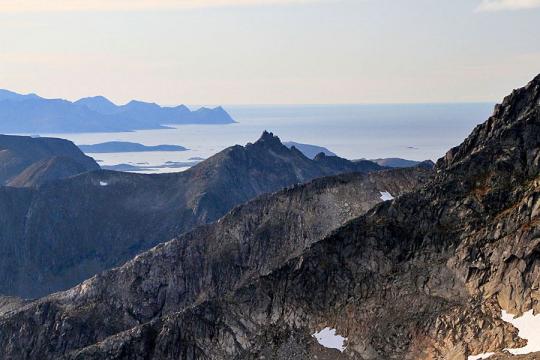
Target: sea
(410, 131)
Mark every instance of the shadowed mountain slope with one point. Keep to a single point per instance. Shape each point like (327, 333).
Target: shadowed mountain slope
(424, 276)
(40, 160)
(252, 240)
(63, 232)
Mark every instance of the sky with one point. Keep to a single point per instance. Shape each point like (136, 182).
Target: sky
(210, 52)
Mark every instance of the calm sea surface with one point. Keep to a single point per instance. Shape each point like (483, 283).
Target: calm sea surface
(417, 132)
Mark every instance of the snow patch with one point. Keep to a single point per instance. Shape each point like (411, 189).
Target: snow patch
(103, 183)
(528, 326)
(480, 356)
(329, 339)
(385, 196)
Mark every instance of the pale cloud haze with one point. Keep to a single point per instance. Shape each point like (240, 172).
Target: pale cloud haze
(499, 5)
(19, 6)
(269, 51)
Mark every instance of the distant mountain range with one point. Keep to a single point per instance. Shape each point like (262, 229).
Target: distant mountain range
(34, 114)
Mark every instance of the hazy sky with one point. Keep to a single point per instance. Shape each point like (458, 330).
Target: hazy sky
(270, 51)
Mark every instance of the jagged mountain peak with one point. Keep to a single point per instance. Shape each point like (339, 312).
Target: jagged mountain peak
(520, 101)
(268, 138)
(504, 136)
(267, 141)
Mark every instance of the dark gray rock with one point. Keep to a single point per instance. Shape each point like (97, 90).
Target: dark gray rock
(251, 241)
(63, 232)
(424, 276)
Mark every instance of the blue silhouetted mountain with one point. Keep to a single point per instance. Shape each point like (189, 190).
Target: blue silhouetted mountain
(33, 114)
(122, 146)
(98, 104)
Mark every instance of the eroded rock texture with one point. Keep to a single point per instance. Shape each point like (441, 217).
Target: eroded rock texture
(62, 232)
(421, 277)
(210, 262)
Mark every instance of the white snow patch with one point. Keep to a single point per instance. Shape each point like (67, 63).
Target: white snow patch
(480, 356)
(529, 329)
(329, 339)
(103, 183)
(385, 196)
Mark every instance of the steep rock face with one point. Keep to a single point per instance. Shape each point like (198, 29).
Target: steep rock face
(252, 240)
(40, 160)
(422, 277)
(64, 232)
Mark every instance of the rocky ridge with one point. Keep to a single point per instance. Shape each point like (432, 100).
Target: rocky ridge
(59, 233)
(424, 276)
(252, 240)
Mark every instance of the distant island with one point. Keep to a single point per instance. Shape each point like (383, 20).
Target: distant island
(122, 146)
(34, 114)
(309, 150)
(396, 162)
(145, 168)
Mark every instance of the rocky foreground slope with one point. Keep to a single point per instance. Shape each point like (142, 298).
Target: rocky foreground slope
(252, 240)
(60, 233)
(422, 277)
